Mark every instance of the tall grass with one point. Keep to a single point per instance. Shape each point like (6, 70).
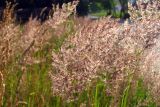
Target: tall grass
(30, 84)
(126, 94)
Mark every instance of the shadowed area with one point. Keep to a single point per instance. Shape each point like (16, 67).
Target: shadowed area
(24, 9)
(42, 9)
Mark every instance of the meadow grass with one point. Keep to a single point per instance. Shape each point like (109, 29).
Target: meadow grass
(36, 90)
(30, 85)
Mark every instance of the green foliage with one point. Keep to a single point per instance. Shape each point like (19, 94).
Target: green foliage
(34, 90)
(61, 38)
(126, 93)
(141, 95)
(104, 8)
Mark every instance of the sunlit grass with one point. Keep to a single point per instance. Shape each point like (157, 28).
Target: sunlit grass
(30, 85)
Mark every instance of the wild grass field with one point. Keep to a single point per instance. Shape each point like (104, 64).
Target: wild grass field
(78, 62)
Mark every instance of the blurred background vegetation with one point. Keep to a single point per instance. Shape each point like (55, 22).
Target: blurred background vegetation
(26, 8)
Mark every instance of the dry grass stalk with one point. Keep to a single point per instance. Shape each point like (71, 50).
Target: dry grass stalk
(7, 17)
(60, 15)
(8, 37)
(9, 34)
(2, 87)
